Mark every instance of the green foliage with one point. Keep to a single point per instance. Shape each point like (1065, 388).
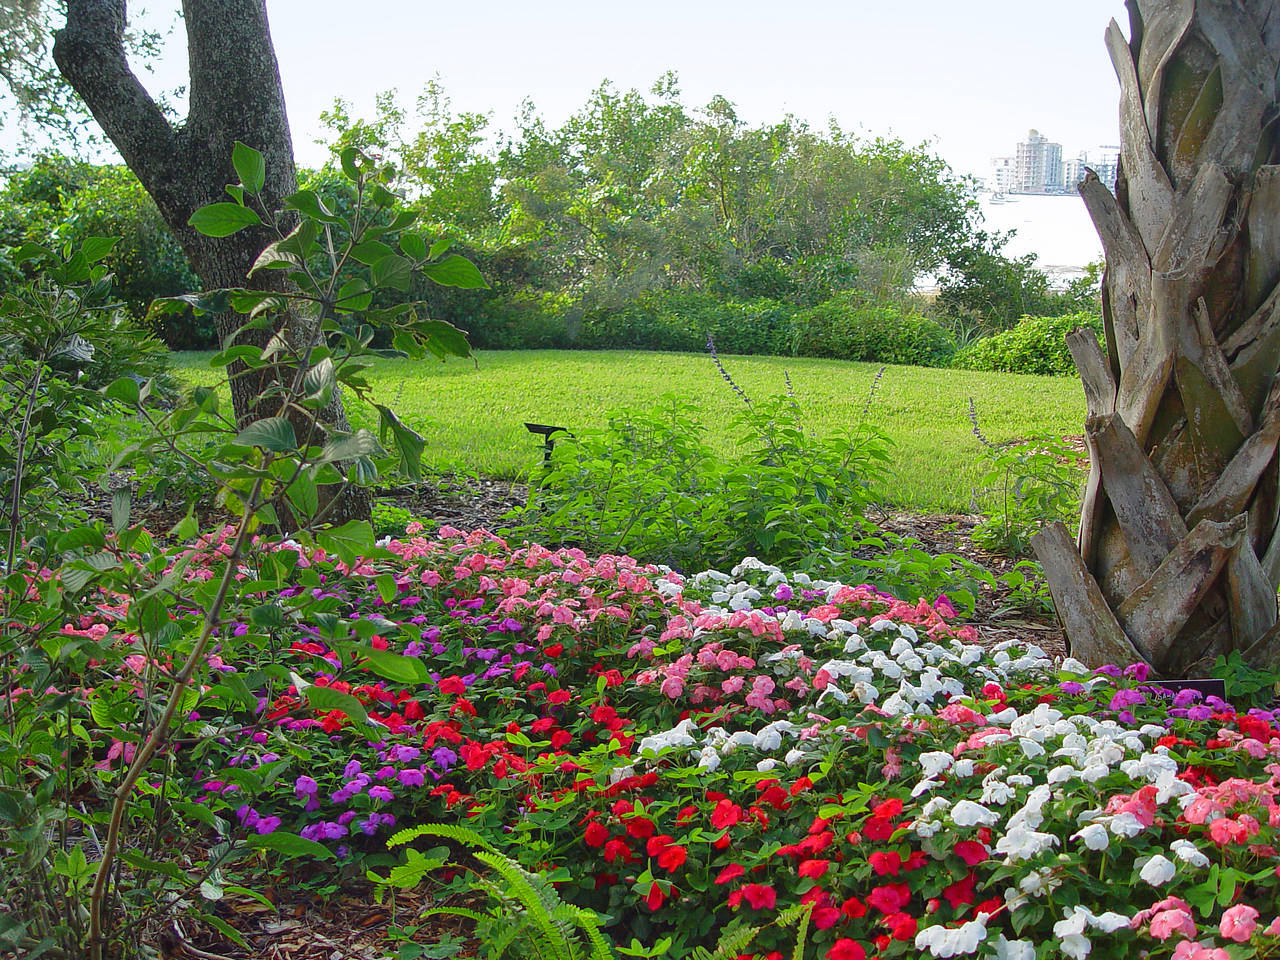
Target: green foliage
(1245, 684)
(1035, 345)
(682, 321)
(648, 485)
(282, 470)
(59, 200)
(1029, 483)
(848, 327)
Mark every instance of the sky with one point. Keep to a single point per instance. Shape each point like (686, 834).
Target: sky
(968, 76)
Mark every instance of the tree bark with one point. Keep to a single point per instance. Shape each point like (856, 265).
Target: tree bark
(1179, 522)
(234, 94)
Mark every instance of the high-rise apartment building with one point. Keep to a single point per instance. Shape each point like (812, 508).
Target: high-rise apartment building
(1038, 164)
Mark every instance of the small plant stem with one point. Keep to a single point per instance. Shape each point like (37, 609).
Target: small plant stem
(158, 733)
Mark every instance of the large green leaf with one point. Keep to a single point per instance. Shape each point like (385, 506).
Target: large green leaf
(350, 541)
(394, 666)
(271, 433)
(408, 442)
(250, 166)
(455, 271)
(290, 845)
(324, 699)
(223, 219)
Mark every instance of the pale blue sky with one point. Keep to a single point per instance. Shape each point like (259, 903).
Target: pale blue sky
(970, 76)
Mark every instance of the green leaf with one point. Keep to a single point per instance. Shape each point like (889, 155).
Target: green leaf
(350, 541)
(439, 248)
(394, 666)
(353, 296)
(371, 251)
(96, 248)
(223, 219)
(121, 507)
(443, 339)
(304, 495)
(324, 699)
(250, 166)
(275, 257)
(347, 158)
(393, 271)
(455, 271)
(85, 536)
(308, 203)
(359, 444)
(413, 246)
(408, 442)
(272, 433)
(124, 389)
(290, 845)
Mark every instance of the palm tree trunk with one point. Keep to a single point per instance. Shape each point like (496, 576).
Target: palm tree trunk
(1177, 559)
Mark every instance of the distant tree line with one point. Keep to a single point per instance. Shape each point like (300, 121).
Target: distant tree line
(637, 222)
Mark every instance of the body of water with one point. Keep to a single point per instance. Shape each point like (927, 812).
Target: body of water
(1056, 229)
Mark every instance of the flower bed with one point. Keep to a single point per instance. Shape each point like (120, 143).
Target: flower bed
(685, 755)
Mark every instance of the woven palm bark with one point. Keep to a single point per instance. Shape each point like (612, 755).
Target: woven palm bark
(1177, 559)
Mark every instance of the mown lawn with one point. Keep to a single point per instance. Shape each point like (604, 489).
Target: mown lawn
(473, 414)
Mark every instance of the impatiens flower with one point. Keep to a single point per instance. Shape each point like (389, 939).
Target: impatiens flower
(953, 941)
(596, 834)
(846, 949)
(813, 869)
(970, 851)
(760, 896)
(1168, 922)
(1158, 871)
(885, 863)
(1239, 922)
(966, 813)
(731, 872)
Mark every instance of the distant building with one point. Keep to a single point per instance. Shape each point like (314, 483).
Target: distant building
(1038, 165)
(1003, 172)
(1104, 161)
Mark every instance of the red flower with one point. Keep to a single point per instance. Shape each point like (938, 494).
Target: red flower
(970, 851)
(813, 869)
(801, 785)
(672, 858)
(960, 892)
(915, 861)
(641, 828)
(553, 650)
(596, 834)
(846, 949)
(559, 696)
(452, 686)
(889, 898)
(726, 814)
(653, 899)
(886, 864)
(824, 918)
(732, 872)
(853, 908)
(887, 810)
(616, 849)
(655, 844)
(902, 926)
(760, 896)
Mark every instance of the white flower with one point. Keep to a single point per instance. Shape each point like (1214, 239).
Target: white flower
(709, 759)
(953, 941)
(1014, 949)
(1075, 945)
(1158, 870)
(1023, 844)
(1094, 836)
(934, 762)
(1188, 852)
(966, 813)
(963, 767)
(1061, 774)
(1004, 717)
(767, 764)
(1126, 825)
(1030, 748)
(1109, 922)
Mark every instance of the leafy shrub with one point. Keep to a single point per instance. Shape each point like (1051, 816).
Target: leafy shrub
(521, 321)
(682, 321)
(650, 485)
(1036, 345)
(848, 327)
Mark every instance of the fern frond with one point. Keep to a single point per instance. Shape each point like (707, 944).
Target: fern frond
(532, 902)
(466, 912)
(447, 830)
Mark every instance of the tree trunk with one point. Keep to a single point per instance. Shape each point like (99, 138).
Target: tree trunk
(234, 94)
(1178, 555)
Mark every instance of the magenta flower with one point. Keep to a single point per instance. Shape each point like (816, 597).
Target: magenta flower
(381, 793)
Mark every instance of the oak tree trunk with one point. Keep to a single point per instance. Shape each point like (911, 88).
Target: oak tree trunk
(234, 94)
(1178, 559)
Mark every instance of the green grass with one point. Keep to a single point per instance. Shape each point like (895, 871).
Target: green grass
(473, 414)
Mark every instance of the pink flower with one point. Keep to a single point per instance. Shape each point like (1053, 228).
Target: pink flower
(1168, 922)
(672, 687)
(1239, 922)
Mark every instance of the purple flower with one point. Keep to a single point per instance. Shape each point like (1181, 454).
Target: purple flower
(1123, 699)
(444, 757)
(783, 592)
(1071, 688)
(1186, 696)
(1199, 712)
(381, 793)
(351, 769)
(324, 830)
(1138, 671)
(267, 825)
(347, 816)
(1110, 670)
(410, 777)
